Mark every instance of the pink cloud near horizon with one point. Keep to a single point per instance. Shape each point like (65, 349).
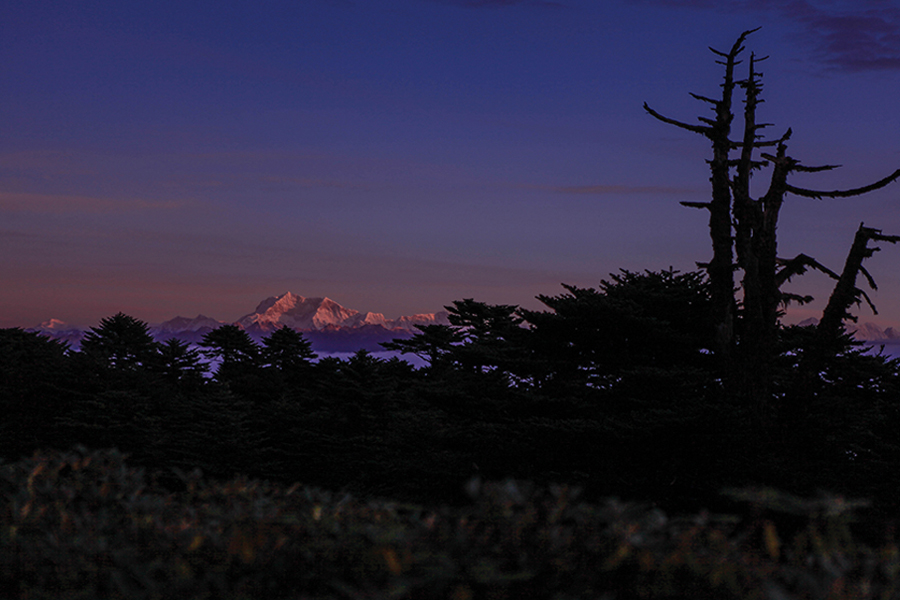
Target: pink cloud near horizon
(62, 203)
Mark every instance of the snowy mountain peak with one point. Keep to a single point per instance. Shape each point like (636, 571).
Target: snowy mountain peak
(370, 318)
(53, 325)
(269, 303)
(409, 323)
(297, 312)
(316, 314)
(863, 332)
(286, 301)
(870, 332)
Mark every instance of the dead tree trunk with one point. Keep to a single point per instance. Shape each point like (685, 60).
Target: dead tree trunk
(827, 341)
(846, 293)
(721, 267)
(743, 230)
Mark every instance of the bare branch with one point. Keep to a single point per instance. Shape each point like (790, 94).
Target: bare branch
(868, 301)
(765, 144)
(754, 164)
(787, 298)
(804, 169)
(844, 193)
(737, 47)
(798, 266)
(786, 136)
(695, 128)
(877, 235)
(704, 98)
(869, 278)
(695, 204)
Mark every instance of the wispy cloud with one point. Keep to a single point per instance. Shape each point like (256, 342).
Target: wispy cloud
(860, 35)
(612, 189)
(506, 3)
(59, 203)
(855, 40)
(309, 182)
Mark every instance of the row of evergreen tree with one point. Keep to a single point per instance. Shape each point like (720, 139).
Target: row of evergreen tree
(612, 388)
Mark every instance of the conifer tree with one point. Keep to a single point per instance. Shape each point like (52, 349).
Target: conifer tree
(120, 343)
(180, 364)
(34, 391)
(433, 343)
(287, 350)
(233, 348)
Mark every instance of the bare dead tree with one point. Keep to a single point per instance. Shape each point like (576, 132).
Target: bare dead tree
(846, 293)
(718, 131)
(743, 230)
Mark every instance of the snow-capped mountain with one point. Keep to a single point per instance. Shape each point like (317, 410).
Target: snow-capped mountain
(411, 322)
(61, 331)
(298, 313)
(328, 326)
(864, 332)
(53, 325)
(870, 332)
(317, 314)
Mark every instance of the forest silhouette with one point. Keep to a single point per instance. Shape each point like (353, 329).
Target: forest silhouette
(613, 389)
(665, 387)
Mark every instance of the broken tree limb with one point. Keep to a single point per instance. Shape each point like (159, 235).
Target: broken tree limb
(846, 293)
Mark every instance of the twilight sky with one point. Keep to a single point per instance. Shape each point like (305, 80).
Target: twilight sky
(171, 158)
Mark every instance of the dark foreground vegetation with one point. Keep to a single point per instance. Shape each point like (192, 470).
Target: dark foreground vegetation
(86, 525)
(660, 388)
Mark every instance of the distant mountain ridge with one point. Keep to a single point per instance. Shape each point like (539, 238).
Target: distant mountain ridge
(865, 332)
(870, 332)
(328, 326)
(331, 327)
(61, 331)
(182, 324)
(316, 314)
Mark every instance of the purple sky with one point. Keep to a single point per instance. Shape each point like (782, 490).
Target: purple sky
(171, 158)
